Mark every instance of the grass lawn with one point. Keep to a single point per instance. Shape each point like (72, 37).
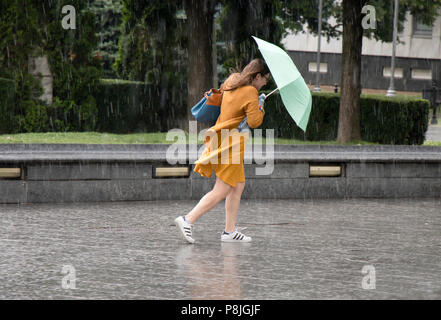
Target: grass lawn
(83, 138)
(134, 138)
(432, 143)
(140, 138)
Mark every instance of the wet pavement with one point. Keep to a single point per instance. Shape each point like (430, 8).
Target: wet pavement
(324, 249)
(434, 132)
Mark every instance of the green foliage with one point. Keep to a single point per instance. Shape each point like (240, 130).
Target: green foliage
(152, 49)
(296, 14)
(35, 119)
(131, 106)
(239, 20)
(108, 13)
(60, 113)
(66, 115)
(33, 28)
(151, 42)
(20, 32)
(396, 120)
(76, 71)
(7, 93)
(383, 120)
(426, 11)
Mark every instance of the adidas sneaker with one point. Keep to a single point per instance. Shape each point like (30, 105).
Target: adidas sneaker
(234, 236)
(185, 229)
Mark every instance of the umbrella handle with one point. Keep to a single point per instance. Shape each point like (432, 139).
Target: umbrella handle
(271, 92)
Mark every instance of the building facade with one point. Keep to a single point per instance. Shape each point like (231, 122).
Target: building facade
(417, 62)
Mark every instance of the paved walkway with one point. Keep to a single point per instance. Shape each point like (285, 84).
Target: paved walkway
(434, 133)
(333, 249)
(434, 130)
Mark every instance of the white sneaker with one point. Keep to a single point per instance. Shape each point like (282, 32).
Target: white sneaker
(234, 236)
(185, 229)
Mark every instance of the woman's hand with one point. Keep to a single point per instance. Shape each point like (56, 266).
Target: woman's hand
(261, 101)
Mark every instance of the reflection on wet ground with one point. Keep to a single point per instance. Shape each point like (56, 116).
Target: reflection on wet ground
(300, 250)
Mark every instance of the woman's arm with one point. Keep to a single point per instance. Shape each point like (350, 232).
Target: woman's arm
(254, 113)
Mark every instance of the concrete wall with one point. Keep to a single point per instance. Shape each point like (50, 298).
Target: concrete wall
(132, 181)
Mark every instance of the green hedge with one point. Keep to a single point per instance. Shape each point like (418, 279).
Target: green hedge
(398, 120)
(384, 120)
(118, 106)
(7, 94)
(128, 106)
(131, 106)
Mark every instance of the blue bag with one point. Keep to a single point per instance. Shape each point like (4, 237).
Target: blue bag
(208, 108)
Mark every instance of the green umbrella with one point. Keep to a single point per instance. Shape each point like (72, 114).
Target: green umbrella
(294, 92)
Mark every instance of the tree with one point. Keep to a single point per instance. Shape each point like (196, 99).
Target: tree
(200, 15)
(349, 114)
(242, 19)
(20, 34)
(348, 14)
(32, 28)
(108, 13)
(163, 41)
(152, 49)
(295, 15)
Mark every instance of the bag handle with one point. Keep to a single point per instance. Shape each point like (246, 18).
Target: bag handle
(212, 90)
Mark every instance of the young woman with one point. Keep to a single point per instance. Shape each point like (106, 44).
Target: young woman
(240, 99)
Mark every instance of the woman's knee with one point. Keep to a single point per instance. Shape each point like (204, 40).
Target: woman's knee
(221, 189)
(239, 188)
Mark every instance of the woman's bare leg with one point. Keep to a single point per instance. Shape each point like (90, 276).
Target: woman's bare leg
(209, 201)
(232, 203)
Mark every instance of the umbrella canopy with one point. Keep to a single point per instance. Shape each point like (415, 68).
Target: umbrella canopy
(294, 92)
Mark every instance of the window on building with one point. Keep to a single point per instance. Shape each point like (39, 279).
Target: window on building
(420, 28)
(397, 74)
(421, 74)
(312, 67)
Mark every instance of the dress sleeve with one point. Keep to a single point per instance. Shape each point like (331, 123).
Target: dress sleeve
(254, 113)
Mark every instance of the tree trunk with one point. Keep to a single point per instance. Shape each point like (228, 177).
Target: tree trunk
(40, 68)
(200, 61)
(349, 115)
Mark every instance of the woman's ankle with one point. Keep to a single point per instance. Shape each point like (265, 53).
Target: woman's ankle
(229, 230)
(188, 220)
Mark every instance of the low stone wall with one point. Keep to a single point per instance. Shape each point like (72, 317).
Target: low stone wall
(94, 173)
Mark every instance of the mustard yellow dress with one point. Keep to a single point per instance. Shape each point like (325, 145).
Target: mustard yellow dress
(224, 150)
